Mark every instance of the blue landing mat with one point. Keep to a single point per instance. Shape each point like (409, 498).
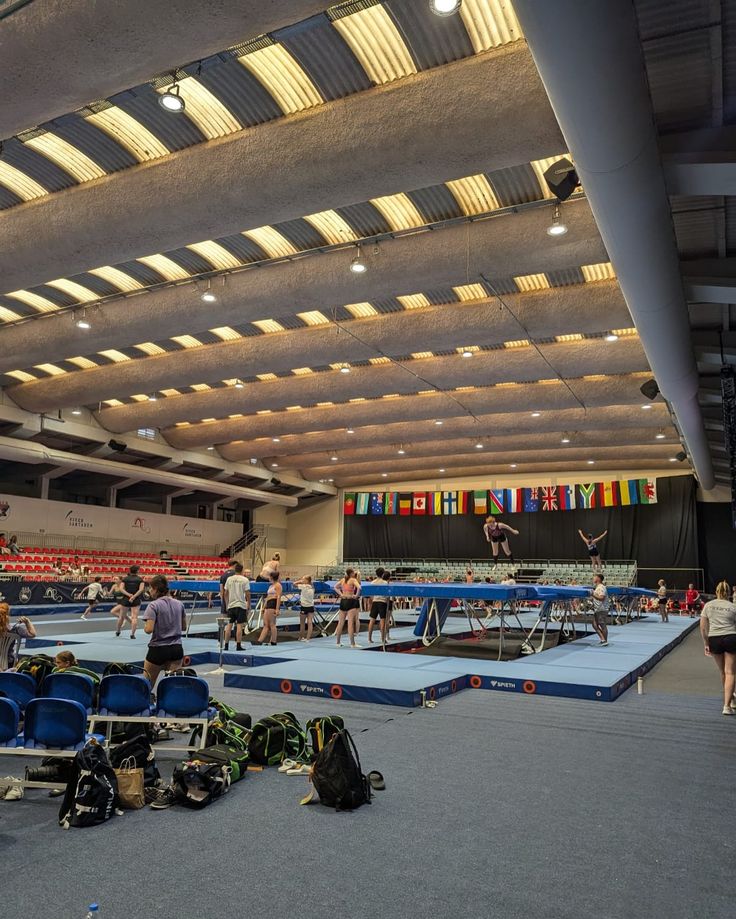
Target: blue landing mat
(580, 670)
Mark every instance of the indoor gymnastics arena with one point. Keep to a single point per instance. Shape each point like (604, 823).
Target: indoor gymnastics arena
(367, 458)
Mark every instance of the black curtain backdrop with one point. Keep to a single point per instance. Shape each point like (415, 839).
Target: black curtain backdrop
(662, 535)
(716, 543)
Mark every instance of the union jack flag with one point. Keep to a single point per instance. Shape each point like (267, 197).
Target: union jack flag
(549, 497)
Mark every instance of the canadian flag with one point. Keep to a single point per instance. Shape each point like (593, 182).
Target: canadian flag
(419, 502)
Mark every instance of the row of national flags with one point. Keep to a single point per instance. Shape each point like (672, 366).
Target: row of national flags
(502, 500)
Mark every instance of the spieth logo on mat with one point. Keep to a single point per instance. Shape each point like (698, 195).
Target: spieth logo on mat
(304, 687)
(503, 684)
(442, 690)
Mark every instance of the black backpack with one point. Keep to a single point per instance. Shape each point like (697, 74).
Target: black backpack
(91, 791)
(197, 784)
(39, 666)
(337, 775)
(116, 667)
(277, 738)
(141, 752)
(321, 730)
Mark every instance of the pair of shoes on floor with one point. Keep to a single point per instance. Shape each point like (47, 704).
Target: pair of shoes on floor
(292, 767)
(602, 644)
(728, 710)
(160, 798)
(10, 789)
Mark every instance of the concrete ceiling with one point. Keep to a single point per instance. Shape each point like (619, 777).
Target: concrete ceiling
(535, 310)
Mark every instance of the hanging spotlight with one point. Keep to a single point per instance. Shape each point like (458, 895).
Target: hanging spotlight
(479, 446)
(384, 475)
(153, 397)
(513, 465)
(333, 459)
(441, 470)
(350, 431)
(76, 411)
(276, 440)
(445, 7)
(171, 100)
(439, 423)
(591, 462)
(274, 465)
(208, 296)
(565, 439)
(238, 384)
(467, 353)
(647, 406)
(401, 451)
(82, 322)
(357, 265)
(536, 414)
(557, 227)
(611, 336)
(210, 448)
(345, 369)
(660, 435)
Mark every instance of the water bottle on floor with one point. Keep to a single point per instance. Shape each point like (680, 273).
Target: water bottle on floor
(93, 911)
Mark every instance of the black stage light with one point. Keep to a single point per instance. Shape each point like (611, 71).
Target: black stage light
(117, 445)
(275, 481)
(681, 456)
(649, 389)
(561, 179)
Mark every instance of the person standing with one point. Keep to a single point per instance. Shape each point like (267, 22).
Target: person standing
(165, 621)
(718, 629)
(132, 588)
(496, 533)
(9, 635)
(348, 590)
(271, 612)
(591, 544)
(120, 610)
(469, 577)
(223, 578)
(270, 568)
(93, 593)
(237, 604)
(662, 600)
(306, 607)
(601, 605)
(692, 598)
(379, 607)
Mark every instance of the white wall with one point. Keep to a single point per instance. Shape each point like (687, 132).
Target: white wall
(33, 515)
(314, 535)
(274, 517)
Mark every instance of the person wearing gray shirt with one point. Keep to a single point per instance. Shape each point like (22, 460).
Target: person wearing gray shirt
(718, 628)
(165, 621)
(601, 604)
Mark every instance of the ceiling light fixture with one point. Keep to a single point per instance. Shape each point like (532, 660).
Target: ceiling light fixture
(334, 459)
(357, 265)
(76, 411)
(611, 336)
(208, 296)
(438, 422)
(557, 227)
(673, 459)
(153, 397)
(384, 475)
(274, 465)
(442, 470)
(591, 462)
(83, 323)
(401, 451)
(171, 100)
(210, 448)
(467, 353)
(479, 446)
(660, 436)
(345, 369)
(350, 431)
(536, 414)
(513, 465)
(647, 406)
(239, 384)
(445, 7)
(565, 439)
(276, 440)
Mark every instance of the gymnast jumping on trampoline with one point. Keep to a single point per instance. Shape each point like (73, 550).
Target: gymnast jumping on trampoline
(495, 533)
(596, 562)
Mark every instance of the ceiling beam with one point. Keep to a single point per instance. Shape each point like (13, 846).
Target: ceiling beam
(62, 54)
(574, 359)
(322, 158)
(601, 391)
(701, 162)
(582, 308)
(710, 280)
(501, 247)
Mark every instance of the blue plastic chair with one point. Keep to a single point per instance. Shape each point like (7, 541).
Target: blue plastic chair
(74, 686)
(183, 697)
(55, 724)
(20, 687)
(9, 718)
(125, 694)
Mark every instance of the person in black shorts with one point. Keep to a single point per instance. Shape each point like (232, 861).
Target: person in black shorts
(496, 533)
(165, 621)
(379, 607)
(591, 544)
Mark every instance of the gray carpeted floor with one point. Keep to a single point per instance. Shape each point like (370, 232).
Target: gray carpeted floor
(497, 805)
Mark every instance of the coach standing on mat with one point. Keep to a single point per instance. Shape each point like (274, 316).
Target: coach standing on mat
(237, 604)
(601, 604)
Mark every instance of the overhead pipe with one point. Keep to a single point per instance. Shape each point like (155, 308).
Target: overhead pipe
(589, 57)
(28, 452)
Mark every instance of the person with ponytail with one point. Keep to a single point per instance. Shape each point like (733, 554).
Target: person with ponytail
(718, 628)
(9, 634)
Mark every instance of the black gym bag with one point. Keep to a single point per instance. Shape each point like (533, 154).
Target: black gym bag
(140, 750)
(197, 784)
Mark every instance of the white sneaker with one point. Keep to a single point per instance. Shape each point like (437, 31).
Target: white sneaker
(727, 710)
(602, 644)
(288, 764)
(14, 793)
